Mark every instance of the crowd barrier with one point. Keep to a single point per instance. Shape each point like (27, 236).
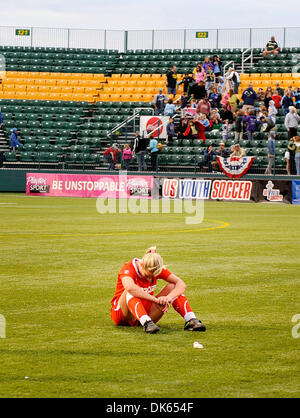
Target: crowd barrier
(167, 186)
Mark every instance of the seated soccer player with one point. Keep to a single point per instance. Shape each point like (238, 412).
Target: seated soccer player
(134, 302)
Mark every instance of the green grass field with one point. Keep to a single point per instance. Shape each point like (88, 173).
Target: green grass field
(58, 270)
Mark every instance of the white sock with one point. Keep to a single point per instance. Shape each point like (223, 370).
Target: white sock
(189, 316)
(144, 319)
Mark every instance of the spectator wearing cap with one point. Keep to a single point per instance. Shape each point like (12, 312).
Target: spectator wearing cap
(271, 152)
(159, 102)
(272, 47)
(249, 97)
(111, 154)
(238, 151)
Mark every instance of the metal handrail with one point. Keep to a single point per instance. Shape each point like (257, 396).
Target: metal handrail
(228, 64)
(136, 112)
(247, 58)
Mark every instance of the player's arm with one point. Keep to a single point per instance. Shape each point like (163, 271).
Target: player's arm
(136, 291)
(179, 289)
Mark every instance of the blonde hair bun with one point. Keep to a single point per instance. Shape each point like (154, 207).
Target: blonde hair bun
(153, 262)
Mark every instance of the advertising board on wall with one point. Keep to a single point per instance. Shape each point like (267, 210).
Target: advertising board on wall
(85, 185)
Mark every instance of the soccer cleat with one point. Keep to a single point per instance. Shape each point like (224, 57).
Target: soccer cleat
(194, 325)
(150, 327)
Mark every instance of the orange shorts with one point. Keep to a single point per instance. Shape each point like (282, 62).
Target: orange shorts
(120, 320)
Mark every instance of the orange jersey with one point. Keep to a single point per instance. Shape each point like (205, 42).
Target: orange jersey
(130, 270)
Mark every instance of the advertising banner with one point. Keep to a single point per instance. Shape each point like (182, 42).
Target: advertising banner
(85, 185)
(222, 189)
(149, 123)
(296, 192)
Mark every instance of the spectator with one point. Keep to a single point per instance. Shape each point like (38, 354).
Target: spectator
(267, 123)
(272, 47)
(291, 122)
(277, 99)
(271, 153)
(198, 91)
(154, 151)
(127, 156)
(221, 84)
(251, 124)
(286, 102)
(171, 80)
(206, 64)
(291, 149)
(249, 97)
(140, 150)
(210, 77)
(297, 97)
(261, 95)
(217, 66)
(14, 141)
(238, 151)
(170, 108)
(226, 114)
(199, 73)
(287, 159)
(215, 119)
(279, 90)
(214, 97)
(181, 128)
(186, 81)
(226, 129)
(204, 106)
(272, 112)
(209, 155)
(1, 120)
(159, 102)
(268, 97)
(296, 148)
(234, 78)
(184, 100)
(170, 130)
(233, 101)
(222, 151)
(239, 126)
(110, 155)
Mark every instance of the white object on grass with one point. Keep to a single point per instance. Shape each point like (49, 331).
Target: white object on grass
(197, 345)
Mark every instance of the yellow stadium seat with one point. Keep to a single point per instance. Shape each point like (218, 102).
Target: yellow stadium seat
(156, 77)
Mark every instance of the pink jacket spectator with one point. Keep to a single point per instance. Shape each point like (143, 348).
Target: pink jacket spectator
(127, 154)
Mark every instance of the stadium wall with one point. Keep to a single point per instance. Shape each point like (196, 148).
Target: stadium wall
(178, 185)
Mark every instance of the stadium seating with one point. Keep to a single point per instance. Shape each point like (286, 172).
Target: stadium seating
(47, 93)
